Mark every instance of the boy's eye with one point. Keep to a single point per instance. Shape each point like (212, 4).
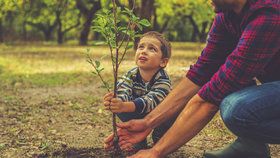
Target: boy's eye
(152, 49)
(140, 47)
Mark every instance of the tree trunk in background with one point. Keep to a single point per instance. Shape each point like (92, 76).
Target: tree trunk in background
(89, 15)
(195, 28)
(203, 33)
(86, 29)
(146, 11)
(47, 29)
(1, 31)
(24, 32)
(47, 34)
(59, 28)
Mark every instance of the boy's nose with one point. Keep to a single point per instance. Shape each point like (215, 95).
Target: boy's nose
(143, 51)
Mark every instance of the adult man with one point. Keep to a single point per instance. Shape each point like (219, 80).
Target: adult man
(243, 44)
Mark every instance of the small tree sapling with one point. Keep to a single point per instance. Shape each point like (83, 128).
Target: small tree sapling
(118, 29)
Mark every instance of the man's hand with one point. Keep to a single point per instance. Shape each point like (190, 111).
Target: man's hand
(129, 133)
(150, 153)
(136, 125)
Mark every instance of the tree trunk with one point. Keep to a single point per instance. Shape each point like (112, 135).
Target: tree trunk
(47, 34)
(195, 28)
(89, 14)
(85, 31)
(59, 28)
(203, 33)
(1, 31)
(47, 29)
(146, 11)
(60, 39)
(155, 22)
(24, 32)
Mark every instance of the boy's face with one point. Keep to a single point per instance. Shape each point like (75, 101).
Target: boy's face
(149, 55)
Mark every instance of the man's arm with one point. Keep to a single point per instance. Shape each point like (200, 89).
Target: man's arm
(194, 117)
(196, 114)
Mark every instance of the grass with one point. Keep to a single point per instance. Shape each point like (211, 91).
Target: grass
(45, 66)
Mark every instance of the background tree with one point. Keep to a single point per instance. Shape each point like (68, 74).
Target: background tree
(30, 20)
(88, 9)
(43, 17)
(7, 13)
(183, 15)
(67, 17)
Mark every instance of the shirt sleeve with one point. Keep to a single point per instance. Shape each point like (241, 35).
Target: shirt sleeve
(219, 45)
(259, 42)
(158, 92)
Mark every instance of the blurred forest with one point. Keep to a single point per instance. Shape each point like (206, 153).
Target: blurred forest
(70, 21)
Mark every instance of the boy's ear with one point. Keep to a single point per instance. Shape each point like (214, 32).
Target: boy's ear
(164, 62)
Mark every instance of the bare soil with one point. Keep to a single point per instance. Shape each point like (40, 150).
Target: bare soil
(69, 122)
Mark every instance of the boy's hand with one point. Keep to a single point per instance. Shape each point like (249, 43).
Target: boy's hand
(107, 99)
(116, 105)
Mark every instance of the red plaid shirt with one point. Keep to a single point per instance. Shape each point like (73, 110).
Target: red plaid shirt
(239, 48)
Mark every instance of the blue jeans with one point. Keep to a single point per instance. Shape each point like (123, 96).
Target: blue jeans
(254, 112)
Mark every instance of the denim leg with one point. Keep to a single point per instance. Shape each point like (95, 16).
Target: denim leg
(254, 112)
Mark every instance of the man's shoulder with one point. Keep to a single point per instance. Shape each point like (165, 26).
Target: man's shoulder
(261, 4)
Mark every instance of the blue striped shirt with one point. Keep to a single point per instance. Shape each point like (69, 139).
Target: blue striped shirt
(145, 96)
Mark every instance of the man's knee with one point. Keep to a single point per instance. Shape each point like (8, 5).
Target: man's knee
(232, 109)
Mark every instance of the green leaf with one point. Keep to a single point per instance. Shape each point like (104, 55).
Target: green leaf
(131, 45)
(97, 63)
(100, 69)
(145, 22)
(121, 29)
(140, 27)
(94, 73)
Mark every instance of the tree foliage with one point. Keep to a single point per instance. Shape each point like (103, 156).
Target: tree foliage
(60, 20)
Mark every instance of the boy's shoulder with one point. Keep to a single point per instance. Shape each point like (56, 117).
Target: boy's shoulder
(162, 74)
(132, 72)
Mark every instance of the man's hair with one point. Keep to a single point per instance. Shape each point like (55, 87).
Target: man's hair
(165, 44)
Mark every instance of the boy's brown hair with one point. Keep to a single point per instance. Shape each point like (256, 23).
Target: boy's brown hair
(165, 45)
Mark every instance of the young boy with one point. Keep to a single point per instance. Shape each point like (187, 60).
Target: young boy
(144, 86)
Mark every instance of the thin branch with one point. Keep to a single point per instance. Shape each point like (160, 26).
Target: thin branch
(127, 42)
(128, 25)
(98, 72)
(125, 50)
